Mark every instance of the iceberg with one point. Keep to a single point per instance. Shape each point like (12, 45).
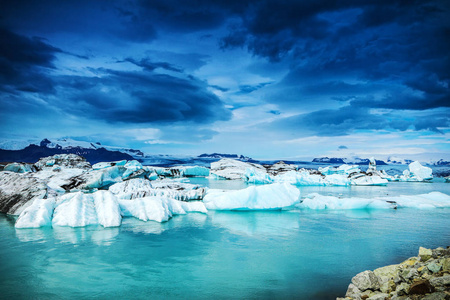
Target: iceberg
(159, 209)
(319, 202)
(363, 179)
(280, 168)
(38, 214)
(271, 196)
(227, 168)
(192, 171)
(423, 201)
(140, 188)
(74, 210)
(19, 168)
(420, 172)
(107, 208)
(302, 177)
(18, 190)
(103, 165)
(342, 170)
(257, 177)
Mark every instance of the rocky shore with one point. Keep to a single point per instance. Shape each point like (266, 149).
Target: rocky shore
(426, 276)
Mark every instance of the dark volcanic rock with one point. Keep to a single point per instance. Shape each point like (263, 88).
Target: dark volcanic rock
(16, 190)
(421, 287)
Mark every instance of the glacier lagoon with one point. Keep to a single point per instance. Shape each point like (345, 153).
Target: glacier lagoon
(302, 254)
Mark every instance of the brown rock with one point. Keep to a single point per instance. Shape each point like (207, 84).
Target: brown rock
(421, 287)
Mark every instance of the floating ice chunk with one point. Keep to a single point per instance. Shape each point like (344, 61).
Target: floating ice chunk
(192, 171)
(107, 208)
(300, 178)
(131, 189)
(56, 180)
(272, 196)
(362, 179)
(421, 172)
(337, 179)
(149, 209)
(75, 210)
(18, 168)
(343, 170)
(257, 177)
(193, 206)
(227, 168)
(318, 202)
(431, 200)
(38, 214)
(103, 165)
(103, 177)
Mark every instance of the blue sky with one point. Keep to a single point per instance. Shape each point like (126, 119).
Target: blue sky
(267, 79)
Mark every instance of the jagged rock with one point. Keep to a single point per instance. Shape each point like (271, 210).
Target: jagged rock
(446, 264)
(402, 289)
(366, 280)
(425, 254)
(440, 281)
(17, 190)
(408, 274)
(434, 267)
(353, 292)
(381, 296)
(63, 160)
(437, 296)
(421, 287)
(387, 273)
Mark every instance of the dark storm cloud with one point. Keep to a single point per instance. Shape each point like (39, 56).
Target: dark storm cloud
(25, 63)
(137, 97)
(347, 119)
(148, 65)
(248, 88)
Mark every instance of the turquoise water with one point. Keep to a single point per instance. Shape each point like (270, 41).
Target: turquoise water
(255, 255)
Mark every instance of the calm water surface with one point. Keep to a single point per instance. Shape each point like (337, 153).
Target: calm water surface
(277, 254)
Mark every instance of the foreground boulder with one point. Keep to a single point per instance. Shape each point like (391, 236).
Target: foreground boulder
(426, 276)
(16, 190)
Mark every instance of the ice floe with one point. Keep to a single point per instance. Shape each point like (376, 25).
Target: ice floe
(38, 214)
(271, 196)
(423, 201)
(227, 168)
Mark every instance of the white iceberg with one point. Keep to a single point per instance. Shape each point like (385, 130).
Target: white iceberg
(131, 189)
(319, 202)
(363, 179)
(38, 214)
(159, 209)
(103, 165)
(107, 208)
(342, 170)
(75, 210)
(420, 172)
(271, 196)
(257, 177)
(423, 201)
(227, 168)
(300, 178)
(192, 171)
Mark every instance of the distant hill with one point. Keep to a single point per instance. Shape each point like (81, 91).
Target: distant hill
(355, 161)
(221, 155)
(33, 153)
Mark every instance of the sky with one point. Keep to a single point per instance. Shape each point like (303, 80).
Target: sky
(266, 79)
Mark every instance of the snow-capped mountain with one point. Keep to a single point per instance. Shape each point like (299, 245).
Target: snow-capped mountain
(222, 155)
(341, 160)
(93, 152)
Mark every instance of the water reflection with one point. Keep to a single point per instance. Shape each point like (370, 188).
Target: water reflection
(251, 223)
